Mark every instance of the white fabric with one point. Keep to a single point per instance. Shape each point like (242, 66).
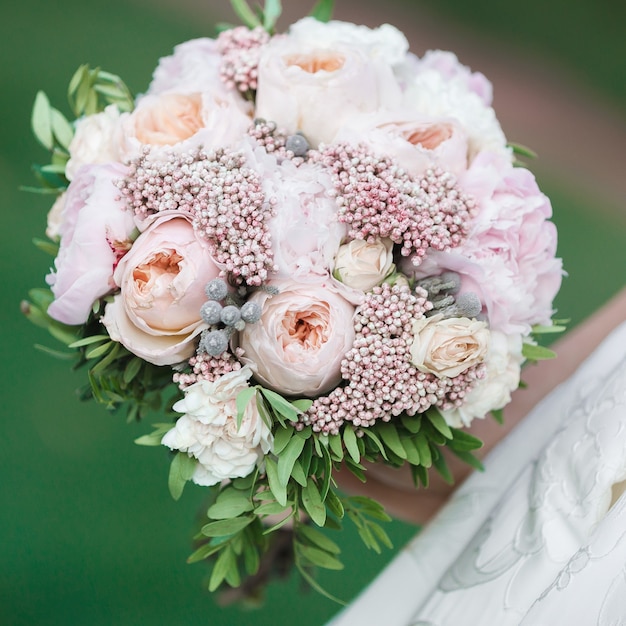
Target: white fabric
(533, 540)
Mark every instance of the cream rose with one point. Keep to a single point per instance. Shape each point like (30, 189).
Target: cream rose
(95, 141)
(208, 430)
(156, 315)
(318, 75)
(492, 392)
(298, 344)
(447, 347)
(363, 265)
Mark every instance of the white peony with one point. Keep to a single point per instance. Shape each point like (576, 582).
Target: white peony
(208, 430)
(95, 141)
(504, 359)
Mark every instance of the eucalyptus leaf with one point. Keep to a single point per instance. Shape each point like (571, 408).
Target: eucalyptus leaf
(537, 353)
(230, 503)
(312, 502)
(318, 557)
(317, 538)
(226, 527)
(323, 10)
(389, 434)
(181, 470)
(278, 489)
(245, 13)
(41, 121)
(349, 440)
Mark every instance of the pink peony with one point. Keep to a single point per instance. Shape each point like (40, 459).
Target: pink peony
(303, 335)
(95, 229)
(157, 313)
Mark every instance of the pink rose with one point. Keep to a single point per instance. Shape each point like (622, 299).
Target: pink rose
(319, 75)
(297, 346)
(415, 142)
(95, 229)
(157, 313)
(183, 121)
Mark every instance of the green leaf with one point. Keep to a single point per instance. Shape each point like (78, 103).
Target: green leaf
(438, 421)
(65, 334)
(312, 502)
(323, 10)
(87, 341)
(537, 353)
(519, 149)
(278, 489)
(382, 536)
(370, 507)
(439, 461)
(203, 552)
(304, 404)
(132, 369)
(282, 437)
(317, 538)
(154, 438)
(288, 457)
(298, 474)
(334, 443)
(318, 557)
(271, 13)
(334, 504)
(41, 122)
(420, 475)
(181, 470)
(423, 448)
(498, 415)
(226, 527)
(540, 329)
(243, 399)
(280, 405)
(412, 453)
(370, 434)
(61, 129)
(469, 458)
(251, 557)
(49, 247)
(389, 435)
(464, 441)
(225, 563)
(270, 508)
(315, 585)
(230, 503)
(245, 13)
(57, 354)
(349, 440)
(99, 351)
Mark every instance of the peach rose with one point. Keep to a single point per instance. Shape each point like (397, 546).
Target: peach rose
(298, 344)
(363, 265)
(157, 313)
(447, 347)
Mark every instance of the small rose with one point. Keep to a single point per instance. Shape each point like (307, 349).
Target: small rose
(95, 141)
(157, 313)
(447, 347)
(208, 429)
(303, 335)
(362, 265)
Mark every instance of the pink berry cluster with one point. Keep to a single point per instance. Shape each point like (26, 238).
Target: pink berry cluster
(206, 367)
(240, 49)
(277, 142)
(225, 198)
(379, 199)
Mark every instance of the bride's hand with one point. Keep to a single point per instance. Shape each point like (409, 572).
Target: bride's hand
(394, 487)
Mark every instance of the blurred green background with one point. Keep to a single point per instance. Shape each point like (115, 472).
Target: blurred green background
(88, 532)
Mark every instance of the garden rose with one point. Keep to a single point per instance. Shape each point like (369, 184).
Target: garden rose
(415, 142)
(208, 429)
(183, 121)
(95, 229)
(362, 265)
(318, 75)
(297, 346)
(157, 313)
(96, 140)
(493, 391)
(447, 347)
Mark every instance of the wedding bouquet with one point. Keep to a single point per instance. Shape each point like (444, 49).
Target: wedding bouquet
(307, 250)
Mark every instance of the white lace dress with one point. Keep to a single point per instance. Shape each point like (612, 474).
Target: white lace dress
(539, 538)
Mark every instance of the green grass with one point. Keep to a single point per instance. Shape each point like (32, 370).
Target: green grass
(89, 533)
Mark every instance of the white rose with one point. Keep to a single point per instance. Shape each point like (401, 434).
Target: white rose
(95, 141)
(493, 392)
(447, 347)
(363, 265)
(318, 75)
(208, 430)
